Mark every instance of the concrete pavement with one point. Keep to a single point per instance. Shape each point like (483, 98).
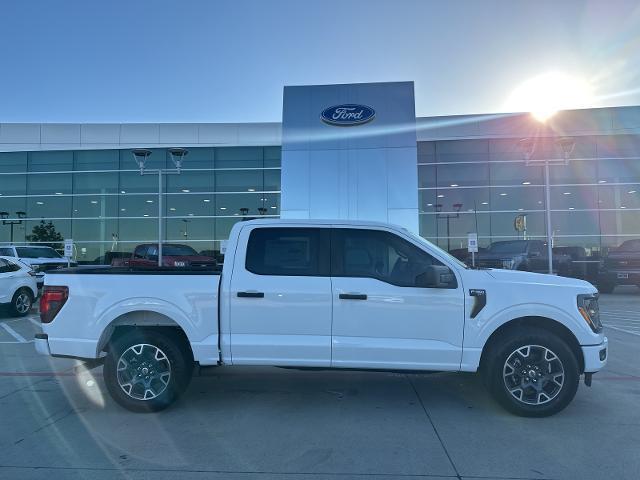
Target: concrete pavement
(56, 421)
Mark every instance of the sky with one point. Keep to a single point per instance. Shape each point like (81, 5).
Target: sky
(228, 61)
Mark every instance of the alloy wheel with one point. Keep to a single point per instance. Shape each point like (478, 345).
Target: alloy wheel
(23, 303)
(143, 371)
(533, 374)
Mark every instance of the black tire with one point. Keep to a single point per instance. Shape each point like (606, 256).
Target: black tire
(21, 302)
(540, 394)
(606, 287)
(163, 351)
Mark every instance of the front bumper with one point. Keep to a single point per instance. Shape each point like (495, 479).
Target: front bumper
(41, 341)
(595, 356)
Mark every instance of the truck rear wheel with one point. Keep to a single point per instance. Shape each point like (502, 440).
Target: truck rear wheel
(147, 370)
(532, 373)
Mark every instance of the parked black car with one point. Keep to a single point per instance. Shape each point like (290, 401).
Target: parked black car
(620, 267)
(526, 255)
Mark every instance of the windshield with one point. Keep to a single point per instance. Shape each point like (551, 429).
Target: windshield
(516, 246)
(629, 246)
(37, 252)
(178, 251)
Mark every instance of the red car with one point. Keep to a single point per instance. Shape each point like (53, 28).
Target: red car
(173, 255)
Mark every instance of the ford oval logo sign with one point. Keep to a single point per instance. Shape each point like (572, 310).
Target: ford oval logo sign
(347, 115)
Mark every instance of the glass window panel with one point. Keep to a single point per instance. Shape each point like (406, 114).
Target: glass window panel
(517, 198)
(575, 223)
(138, 230)
(184, 229)
(99, 229)
(138, 206)
(13, 185)
(618, 171)
(18, 227)
(63, 227)
(582, 197)
(620, 196)
(49, 207)
(426, 176)
(452, 175)
(190, 205)
(97, 206)
(502, 225)
(272, 180)
(576, 171)
(239, 181)
(272, 156)
(96, 160)
(239, 157)
(516, 173)
(224, 226)
(247, 204)
(470, 198)
(620, 222)
(13, 162)
(50, 161)
(133, 182)
(95, 182)
(189, 181)
(49, 184)
(196, 158)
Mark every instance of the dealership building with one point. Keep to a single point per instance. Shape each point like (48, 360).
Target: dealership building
(353, 151)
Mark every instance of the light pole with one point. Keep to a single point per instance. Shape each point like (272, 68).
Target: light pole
(448, 217)
(141, 155)
(528, 147)
(5, 215)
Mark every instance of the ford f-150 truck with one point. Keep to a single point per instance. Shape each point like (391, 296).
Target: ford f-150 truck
(327, 294)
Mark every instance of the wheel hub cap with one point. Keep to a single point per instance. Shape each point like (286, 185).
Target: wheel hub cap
(533, 374)
(143, 371)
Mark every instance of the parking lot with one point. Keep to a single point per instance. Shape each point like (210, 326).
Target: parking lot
(266, 423)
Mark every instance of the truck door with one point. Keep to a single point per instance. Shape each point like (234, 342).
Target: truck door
(381, 318)
(280, 297)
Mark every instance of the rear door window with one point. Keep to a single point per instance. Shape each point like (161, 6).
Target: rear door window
(289, 251)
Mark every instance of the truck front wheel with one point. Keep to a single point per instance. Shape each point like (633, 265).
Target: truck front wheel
(532, 373)
(147, 370)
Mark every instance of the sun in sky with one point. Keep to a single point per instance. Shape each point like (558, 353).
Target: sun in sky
(546, 94)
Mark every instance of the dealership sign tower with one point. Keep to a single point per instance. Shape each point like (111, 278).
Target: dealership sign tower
(349, 152)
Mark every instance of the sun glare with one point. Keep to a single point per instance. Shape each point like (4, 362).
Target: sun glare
(548, 93)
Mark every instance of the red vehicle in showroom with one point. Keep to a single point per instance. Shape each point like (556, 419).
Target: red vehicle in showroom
(173, 255)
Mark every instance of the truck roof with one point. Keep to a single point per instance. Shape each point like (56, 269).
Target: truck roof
(303, 221)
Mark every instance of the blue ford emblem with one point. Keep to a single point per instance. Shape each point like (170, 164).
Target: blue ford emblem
(347, 115)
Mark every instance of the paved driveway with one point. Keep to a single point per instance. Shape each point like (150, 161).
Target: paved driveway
(266, 423)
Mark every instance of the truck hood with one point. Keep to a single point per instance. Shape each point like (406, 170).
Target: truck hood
(529, 278)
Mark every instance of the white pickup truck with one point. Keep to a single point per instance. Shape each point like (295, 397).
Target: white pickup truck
(327, 294)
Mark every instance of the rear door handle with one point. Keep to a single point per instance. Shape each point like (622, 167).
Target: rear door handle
(251, 294)
(352, 296)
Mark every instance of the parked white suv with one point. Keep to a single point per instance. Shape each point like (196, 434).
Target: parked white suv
(18, 286)
(40, 258)
(327, 294)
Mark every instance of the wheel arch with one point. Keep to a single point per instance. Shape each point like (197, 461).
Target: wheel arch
(544, 323)
(142, 320)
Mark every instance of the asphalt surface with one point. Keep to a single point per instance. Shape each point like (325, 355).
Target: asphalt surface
(56, 421)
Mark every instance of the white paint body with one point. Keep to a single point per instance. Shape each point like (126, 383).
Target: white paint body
(11, 282)
(301, 321)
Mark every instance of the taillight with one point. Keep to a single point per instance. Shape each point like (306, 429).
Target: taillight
(51, 301)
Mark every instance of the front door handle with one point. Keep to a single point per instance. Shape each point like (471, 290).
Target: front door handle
(352, 296)
(251, 294)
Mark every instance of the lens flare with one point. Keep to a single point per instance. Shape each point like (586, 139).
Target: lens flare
(548, 93)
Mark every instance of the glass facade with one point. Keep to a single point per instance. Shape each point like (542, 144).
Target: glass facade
(99, 198)
(483, 185)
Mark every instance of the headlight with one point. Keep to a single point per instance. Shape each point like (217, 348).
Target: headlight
(588, 308)
(35, 268)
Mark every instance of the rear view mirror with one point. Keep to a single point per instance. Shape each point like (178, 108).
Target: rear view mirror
(436, 276)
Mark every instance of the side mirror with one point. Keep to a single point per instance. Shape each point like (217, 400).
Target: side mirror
(436, 276)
